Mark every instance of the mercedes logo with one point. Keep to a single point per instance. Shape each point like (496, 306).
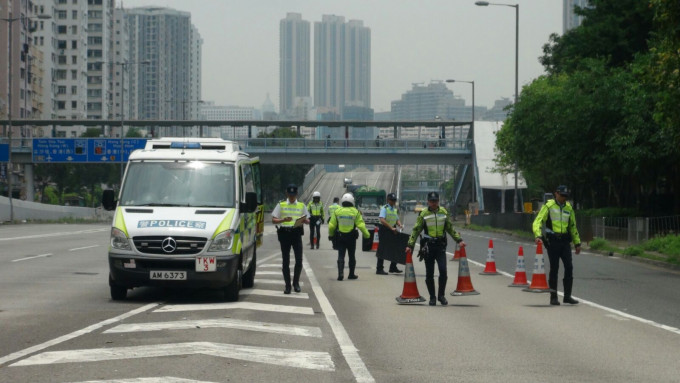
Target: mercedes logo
(169, 245)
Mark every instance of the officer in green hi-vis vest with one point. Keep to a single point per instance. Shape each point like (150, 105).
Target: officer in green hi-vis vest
(285, 214)
(333, 208)
(560, 230)
(316, 218)
(346, 220)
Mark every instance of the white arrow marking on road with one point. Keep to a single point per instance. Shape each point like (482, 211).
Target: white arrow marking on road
(238, 305)
(282, 357)
(220, 323)
(161, 379)
(273, 281)
(33, 257)
(274, 293)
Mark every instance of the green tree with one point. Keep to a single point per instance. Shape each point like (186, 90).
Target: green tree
(275, 178)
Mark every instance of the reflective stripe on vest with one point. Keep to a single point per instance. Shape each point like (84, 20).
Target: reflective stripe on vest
(346, 217)
(293, 210)
(436, 222)
(559, 217)
(391, 215)
(315, 208)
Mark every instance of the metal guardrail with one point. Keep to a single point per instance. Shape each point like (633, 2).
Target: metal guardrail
(325, 144)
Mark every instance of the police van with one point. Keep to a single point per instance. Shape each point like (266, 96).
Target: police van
(189, 214)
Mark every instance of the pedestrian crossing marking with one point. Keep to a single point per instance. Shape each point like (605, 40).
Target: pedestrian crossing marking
(237, 324)
(160, 379)
(282, 357)
(269, 273)
(238, 305)
(274, 293)
(273, 282)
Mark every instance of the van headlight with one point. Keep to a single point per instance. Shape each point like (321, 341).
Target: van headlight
(119, 240)
(222, 241)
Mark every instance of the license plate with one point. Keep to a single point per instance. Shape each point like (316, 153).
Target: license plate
(206, 264)
(169, 275)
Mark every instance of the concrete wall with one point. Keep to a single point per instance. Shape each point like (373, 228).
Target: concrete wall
(32, 210)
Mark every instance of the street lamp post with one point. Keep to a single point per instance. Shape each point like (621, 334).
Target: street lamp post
(9, 21)
(516, 6)
(123, 68)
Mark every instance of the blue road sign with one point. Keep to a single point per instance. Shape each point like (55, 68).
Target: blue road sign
(80, 150)
(4, 152)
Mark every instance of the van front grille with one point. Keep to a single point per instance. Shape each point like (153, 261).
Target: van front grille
(169, 245)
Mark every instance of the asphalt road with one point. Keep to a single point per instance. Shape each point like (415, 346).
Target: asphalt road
(58, 324)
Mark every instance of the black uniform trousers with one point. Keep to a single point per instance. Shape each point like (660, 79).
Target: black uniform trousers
(291, 239)
(380, 265)
(347, 242)
(437, 253)
(559, 249)
(315, 222)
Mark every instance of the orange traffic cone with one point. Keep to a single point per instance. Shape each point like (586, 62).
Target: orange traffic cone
(538, 282)
(464, 282)
(520, 271)
(456, 254)
(410, 293)
(376, 240)
(490, 268)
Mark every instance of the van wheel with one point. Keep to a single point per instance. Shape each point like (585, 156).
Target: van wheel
(249, 276)
(118, 293)
(232, 290)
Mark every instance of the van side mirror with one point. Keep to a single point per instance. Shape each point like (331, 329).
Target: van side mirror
(251, 203)
(108, 200)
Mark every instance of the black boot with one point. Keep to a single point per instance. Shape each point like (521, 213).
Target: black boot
(341, 267)
(567, 292)
(442, 291)
(430, 289)
(394, 269)
(296, 278)
(286, 278)
(553, 295)
(351, 270)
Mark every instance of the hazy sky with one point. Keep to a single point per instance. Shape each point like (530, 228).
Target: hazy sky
(412, 41)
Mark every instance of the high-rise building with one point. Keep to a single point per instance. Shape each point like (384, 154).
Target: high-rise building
(100, 38)
(294, 61)
(45, 40)
(342, 64)
(427, 102)
(70, 74)
(569, 18)
(121, 54)
(211, 112)
(169, 85)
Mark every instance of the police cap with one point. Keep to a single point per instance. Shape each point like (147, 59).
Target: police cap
(563, 190)
(392, 197)
(433, 196)
(291, 189)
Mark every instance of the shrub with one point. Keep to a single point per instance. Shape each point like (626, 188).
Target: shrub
(633, 251)
(598, 244)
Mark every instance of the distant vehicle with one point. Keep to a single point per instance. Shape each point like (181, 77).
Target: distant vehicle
(346, 182)
(419, 207)
(369, 200)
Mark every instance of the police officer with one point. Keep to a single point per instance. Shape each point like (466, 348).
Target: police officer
(333, 207)
(316, 212)
(560, 230)
(435, 223)
(347, 219)
(285, 214)
(389, 221)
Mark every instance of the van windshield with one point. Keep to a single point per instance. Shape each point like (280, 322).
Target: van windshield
(179, 183)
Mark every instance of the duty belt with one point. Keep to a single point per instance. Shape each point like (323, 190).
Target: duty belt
(559, 236)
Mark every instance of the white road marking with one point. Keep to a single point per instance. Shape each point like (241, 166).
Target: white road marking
(33, 257)
(160, 379)
(282, 357)
(269, 273)
(351, 354)
(83, 248)
(273, 281)
(75, 334)
(238, 324)
(54, 234)
(674, 330)
(261, 262)
(271, 265)
(237, 305)
(616, 317)
(274, 293)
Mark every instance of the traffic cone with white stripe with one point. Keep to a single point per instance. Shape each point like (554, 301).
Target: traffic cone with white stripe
(456, 253)
(464, 282)
(376, 240)
(490, 268)
(538, 281)
(520, 271)
(410, 293)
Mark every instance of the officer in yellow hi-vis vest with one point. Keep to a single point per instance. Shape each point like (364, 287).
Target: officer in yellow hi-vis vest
(389, 220)
(560, 231)
(316, 218)
(333, 207)
(347, 219)
(289, 214)
(436, 223)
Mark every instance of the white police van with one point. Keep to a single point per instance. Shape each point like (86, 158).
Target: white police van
(189, 214)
